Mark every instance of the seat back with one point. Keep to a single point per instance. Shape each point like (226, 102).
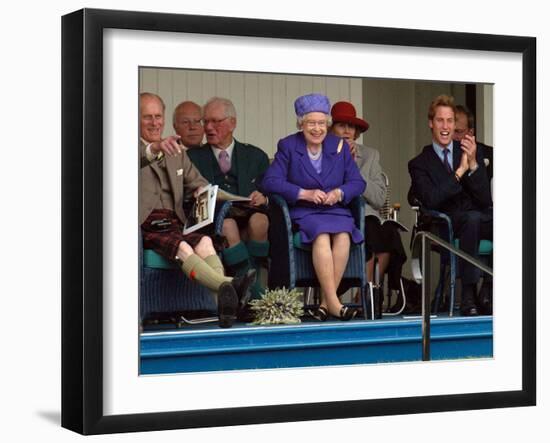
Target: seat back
(291, 262)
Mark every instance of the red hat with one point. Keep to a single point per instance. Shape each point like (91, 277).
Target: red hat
(344, 112)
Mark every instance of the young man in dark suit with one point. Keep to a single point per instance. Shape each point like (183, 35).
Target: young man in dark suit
(451, 177)
(236, 168)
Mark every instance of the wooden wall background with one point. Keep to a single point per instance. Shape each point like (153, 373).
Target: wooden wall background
(395, 109)
(264, 102)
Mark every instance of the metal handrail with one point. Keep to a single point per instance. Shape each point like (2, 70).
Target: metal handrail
(420, 267)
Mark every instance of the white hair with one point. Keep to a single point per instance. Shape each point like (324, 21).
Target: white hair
(228, 106)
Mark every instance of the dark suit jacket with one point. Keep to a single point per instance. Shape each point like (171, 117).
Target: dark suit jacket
(250, 161)
(439, 190)
(487, 158)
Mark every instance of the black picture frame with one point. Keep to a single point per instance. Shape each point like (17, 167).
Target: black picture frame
(82, 218)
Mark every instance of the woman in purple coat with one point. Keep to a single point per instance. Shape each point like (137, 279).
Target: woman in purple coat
(315, 173)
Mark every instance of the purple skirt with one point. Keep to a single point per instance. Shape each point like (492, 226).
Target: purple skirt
(312, 225)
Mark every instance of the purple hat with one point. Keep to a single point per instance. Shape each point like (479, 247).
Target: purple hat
(311, 103)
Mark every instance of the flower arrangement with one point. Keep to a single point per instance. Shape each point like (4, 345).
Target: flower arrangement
(277, 306)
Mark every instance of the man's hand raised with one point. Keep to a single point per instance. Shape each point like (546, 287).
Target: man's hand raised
(169, 146)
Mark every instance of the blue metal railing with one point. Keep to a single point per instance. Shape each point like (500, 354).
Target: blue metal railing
(420, 266)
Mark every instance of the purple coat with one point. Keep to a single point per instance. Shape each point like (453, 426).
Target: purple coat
(292, 170)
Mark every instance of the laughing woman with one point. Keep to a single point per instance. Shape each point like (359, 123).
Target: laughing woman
(315, 173)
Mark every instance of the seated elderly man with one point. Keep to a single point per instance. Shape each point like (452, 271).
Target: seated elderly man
(187, 124)
(235, 167)
(166, 177)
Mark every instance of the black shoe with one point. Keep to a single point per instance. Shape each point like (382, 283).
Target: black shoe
(469, 312)
(485, 299)
(227, 305)
(467, 305)
(347, 313)
(320, 313)
(245, 314)
(242, 285)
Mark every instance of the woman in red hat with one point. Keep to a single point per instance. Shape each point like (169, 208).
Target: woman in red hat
(383, 241)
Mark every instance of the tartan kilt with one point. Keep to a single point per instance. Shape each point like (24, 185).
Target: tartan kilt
(165, 240)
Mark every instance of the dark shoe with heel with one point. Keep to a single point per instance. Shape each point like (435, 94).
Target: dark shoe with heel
(485, 299)
(227, 305)
(467, 305)
(320, 313)
(470, 311)
(347, 313)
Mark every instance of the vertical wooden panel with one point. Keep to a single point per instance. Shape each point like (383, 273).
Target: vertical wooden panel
(280, 108)
(251, 111)
(333, 91)
(208, 86)
(355, 94)
(148, 80)
(179, 82)
(371, 112)
(194, 86)
(236, 95)
(266, 114)
(319, 84)
(165, 90)
(264, 102)
(305, 84)
(345, 93)
(292, 93)
(222, 84)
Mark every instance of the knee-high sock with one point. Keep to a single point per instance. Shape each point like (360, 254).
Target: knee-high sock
(257, 249)
(215, 263)
(237, 258)
(197, 269)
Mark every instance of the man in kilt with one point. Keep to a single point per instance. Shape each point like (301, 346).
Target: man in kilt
(167, 177)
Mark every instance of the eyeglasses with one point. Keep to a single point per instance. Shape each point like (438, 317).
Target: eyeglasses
(310, 124)
(214, 121)
(189, 122)
(150, 118)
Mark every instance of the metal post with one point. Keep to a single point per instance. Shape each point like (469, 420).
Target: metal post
(426, 305)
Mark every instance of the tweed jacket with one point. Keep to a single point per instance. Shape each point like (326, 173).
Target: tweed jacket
(175, 175)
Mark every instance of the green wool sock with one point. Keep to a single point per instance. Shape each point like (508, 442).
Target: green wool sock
(237, 258)
(257, 248)
(198, 270)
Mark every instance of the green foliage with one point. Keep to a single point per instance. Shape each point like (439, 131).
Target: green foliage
(278, 307)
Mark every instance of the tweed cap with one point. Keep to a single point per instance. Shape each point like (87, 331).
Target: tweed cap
(311, 103)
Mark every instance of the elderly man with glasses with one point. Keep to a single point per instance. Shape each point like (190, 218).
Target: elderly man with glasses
(187, 123)
(235, 167)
